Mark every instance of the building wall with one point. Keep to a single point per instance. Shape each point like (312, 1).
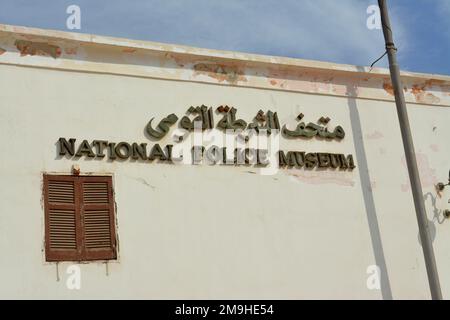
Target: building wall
(200, 231)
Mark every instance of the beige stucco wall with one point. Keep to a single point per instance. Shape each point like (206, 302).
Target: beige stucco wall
(219, 231)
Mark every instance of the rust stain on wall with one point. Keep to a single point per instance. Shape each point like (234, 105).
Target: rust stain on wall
(280, 73)
(37, 48)
(129, 50)
(221, 72)
(436, 82)
(416, 89)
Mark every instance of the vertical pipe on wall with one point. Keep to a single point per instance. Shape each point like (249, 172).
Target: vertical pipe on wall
(427, 245)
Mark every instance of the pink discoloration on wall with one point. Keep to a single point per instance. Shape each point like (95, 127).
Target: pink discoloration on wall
(296, 85)
(322, 177)
(405, 187)
(340, 90)
(427, 173)
(374, 135)
(321, 87)
(434, 147)
(71, 51)
(313, 82)
(430, 99)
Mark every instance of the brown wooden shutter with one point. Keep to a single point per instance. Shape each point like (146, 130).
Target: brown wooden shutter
(79, 218)
(99, 241)
(62, 223)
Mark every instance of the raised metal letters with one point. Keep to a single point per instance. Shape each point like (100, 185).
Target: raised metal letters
(164, 126)
(263, 122)
(311, 130)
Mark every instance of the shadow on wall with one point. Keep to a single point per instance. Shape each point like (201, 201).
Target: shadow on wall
(369, 201)
(437, 217)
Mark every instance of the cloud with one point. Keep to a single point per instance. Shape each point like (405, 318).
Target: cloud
(311, 29)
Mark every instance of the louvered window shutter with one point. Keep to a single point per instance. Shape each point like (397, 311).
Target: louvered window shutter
(79, 218)
(62, 223)
(98, 218)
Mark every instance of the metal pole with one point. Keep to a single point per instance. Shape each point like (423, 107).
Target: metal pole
(427, 245)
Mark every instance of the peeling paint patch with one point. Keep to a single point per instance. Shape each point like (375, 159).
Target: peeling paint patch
(422, 96)
(221, 72)
(178, 59)
(322, 177)
(388, 88)
(37, 48)
(431, 99)
(172, 62)
(418, 92)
